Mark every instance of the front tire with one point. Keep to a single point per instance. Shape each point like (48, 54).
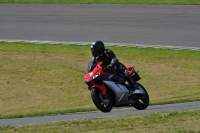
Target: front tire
(142, 103)
(103, 103)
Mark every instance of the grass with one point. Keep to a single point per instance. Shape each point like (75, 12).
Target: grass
(173, 122)
(157, 2)
(44, 79)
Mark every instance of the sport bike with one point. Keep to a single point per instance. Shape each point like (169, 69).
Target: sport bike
(109, 89)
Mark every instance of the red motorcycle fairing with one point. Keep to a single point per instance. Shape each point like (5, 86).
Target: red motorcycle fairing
(90, 78)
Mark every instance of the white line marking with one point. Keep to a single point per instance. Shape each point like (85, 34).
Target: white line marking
(107, 44)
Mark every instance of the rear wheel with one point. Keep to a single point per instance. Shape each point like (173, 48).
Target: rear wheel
(142, 103)
(103, 103)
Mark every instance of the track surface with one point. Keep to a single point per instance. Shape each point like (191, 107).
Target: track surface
(134, 24)
(98, 114)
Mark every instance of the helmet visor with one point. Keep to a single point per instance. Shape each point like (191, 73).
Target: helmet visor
(95, 53)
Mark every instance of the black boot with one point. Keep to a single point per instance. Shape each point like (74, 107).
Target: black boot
(132, 84)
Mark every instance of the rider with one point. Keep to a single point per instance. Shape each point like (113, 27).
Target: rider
(109, 59)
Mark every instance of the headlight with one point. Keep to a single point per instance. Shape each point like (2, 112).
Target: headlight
(96, 75)
(87, 82)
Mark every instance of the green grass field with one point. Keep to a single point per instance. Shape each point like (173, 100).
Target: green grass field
(157, 2)
(44, 79)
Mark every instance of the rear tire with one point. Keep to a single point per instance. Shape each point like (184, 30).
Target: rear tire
(142, 103)
(102, 103)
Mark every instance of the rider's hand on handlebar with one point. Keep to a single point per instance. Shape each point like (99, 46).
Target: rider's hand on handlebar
(109, 66)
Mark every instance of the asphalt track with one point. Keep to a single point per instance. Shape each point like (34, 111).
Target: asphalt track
(132, 24)
(98, 114)
(127, 24)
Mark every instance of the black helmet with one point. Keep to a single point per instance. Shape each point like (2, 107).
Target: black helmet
(97, 48)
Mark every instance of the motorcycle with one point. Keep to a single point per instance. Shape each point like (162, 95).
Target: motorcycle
(109, 90)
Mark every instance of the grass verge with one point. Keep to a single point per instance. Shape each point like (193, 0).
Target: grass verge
(173, 122)
(42, 79)
(157, 2)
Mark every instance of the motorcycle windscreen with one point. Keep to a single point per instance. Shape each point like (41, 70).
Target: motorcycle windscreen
(91, 65)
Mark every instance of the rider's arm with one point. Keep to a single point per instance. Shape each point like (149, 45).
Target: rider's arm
(112, 56)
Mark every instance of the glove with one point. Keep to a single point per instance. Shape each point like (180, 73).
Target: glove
(109, 66)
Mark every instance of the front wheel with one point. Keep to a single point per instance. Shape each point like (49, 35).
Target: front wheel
(142, 103)
(103, 103)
